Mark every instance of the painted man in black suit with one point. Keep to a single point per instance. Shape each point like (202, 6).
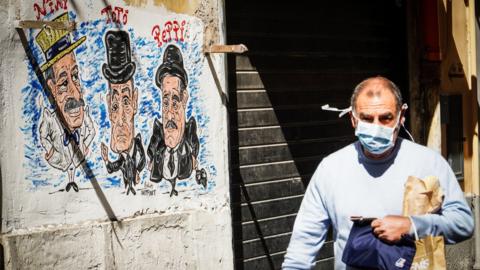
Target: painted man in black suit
(174, 145)
(122, 107)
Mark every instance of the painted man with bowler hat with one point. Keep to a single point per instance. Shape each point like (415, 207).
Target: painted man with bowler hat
(122, 106)
(67, 132)
(174, 145)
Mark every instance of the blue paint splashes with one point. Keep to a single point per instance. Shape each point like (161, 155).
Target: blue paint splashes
(90, 56)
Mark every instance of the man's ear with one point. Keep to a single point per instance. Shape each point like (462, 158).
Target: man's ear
(135, 99)
(352, 120)
(402, 116)
(185, 98)
(109, 103)
(51, 85)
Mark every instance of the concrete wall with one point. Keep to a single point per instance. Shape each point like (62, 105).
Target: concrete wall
(90, 105)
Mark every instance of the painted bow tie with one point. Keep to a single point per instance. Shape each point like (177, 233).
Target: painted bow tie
(75, 136)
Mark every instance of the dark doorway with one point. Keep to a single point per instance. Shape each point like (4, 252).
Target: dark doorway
(300, 57)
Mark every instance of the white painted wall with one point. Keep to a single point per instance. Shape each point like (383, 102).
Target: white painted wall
(44, 227)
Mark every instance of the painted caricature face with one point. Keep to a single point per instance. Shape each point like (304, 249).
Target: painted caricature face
(66, 90)
(173, 110)
(122, 107)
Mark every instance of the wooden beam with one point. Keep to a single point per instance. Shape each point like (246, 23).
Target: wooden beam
(238, 49)
(69, 26)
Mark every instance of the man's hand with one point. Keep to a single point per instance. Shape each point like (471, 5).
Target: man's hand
(49, 154)
(391, 228)
(104, 152)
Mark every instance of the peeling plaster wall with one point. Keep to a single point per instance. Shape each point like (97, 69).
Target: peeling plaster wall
(45, 227)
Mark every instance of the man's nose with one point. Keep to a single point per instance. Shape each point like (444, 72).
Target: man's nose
(122, 117)
(72, 89)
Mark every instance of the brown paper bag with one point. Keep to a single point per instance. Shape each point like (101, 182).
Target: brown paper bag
(422, 197)
(430, 254)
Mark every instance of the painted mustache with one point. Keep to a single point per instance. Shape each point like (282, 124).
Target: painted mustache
(171, 124)
(72, 104)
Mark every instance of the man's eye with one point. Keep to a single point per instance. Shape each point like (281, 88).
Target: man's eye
(368, 120)
(175, 105)
(62, 86)
(75, 77)
(126, 101)
(165, 102)
(114, 107)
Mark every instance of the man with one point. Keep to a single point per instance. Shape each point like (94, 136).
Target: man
(174, 145)
(367, 179)
(122, 106)
(66, 133)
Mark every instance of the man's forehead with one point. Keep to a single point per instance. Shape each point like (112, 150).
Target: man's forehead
(122, 87)
(67, 62)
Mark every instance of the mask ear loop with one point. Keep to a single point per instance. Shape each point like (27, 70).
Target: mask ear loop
(405, 107)
(342, 112)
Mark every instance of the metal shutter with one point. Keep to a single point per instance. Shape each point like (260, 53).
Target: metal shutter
(301, 55)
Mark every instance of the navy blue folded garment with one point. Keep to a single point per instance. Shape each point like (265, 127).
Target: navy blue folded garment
(365, 250)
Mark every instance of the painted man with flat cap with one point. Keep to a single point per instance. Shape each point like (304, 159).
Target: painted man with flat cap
(122, 106)
(67, 132)
(174, 145)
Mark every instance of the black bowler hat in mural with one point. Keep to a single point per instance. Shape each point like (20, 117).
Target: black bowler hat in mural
(119, 67)
(172, 65)
(55, 43)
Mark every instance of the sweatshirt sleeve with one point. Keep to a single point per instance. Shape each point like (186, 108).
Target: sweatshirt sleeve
(311, 226)
(455, 219)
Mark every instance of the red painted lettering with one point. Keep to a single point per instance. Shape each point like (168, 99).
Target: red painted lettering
(156, 35)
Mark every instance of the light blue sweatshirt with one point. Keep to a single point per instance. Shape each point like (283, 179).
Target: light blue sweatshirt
(347, 183)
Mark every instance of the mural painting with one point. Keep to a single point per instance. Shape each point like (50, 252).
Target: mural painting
(65, 141)
(122, 107)
(173, 147)
(120, 89)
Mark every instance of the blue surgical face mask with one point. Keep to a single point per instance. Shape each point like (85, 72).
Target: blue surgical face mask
(376, 139)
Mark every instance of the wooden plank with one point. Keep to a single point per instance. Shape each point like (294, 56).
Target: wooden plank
(262, 262)
(277, 207)
(309, 61)
(285, 115)
(290, 151)
(274, 244)
(270, 190)
(267, 227)
(291, 42)
(362, 30)
(279, 244)
(276, 171)
(325, 264)
(275, 134)
(277, 81)
(263, 99)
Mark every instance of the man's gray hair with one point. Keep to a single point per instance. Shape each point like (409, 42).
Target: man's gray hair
(48, 74)
(389, 84)
(182, 86)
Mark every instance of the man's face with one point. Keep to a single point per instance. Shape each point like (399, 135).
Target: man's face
(173, 110)
(122, 107)
(376, 104)
(66, 90)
